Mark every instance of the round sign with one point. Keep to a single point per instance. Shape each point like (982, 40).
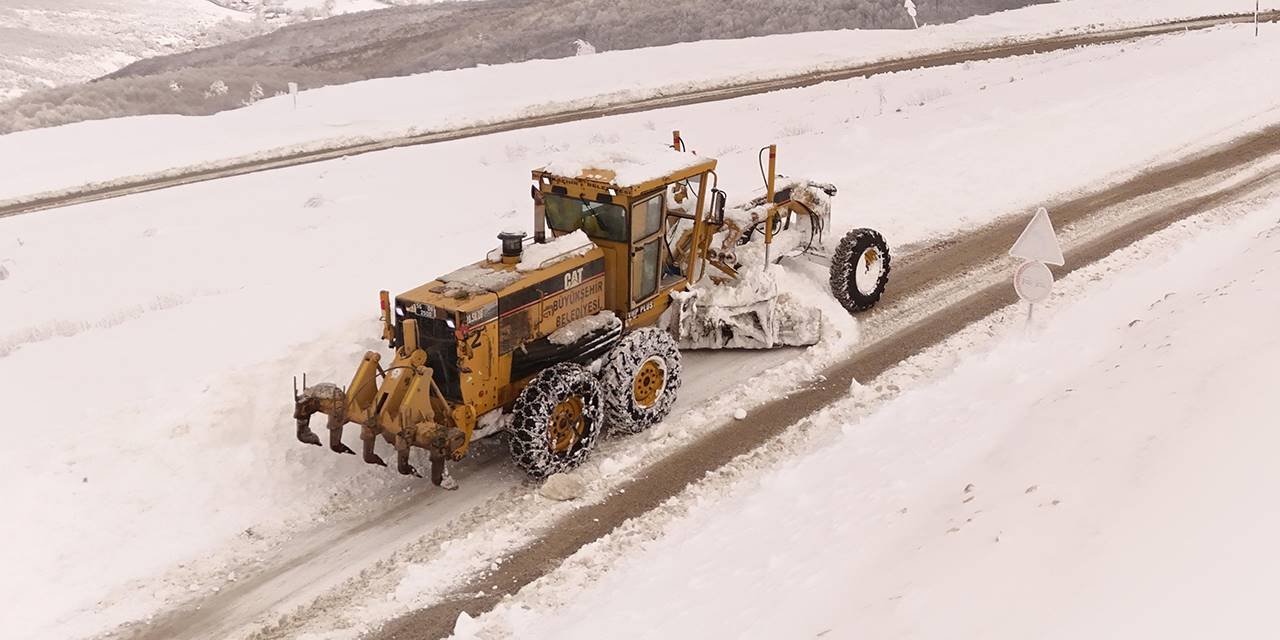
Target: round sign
(1033, 281)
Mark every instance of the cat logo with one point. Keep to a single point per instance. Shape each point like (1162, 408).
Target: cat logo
(573, 278)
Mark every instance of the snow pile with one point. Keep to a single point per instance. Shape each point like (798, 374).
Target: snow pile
(578, 329)
(541, 256)
(562, 487)
(1112, 476)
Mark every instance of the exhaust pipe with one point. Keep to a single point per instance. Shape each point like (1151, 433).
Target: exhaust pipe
(539, 216)
(512, 246)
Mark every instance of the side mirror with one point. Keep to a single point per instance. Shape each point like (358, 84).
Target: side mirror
(718, 199)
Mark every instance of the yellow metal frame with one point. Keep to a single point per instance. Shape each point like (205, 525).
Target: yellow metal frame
(402, 402)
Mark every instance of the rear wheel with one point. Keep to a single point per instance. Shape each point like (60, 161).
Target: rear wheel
(860, 270)
(556, 420)
(640, 380)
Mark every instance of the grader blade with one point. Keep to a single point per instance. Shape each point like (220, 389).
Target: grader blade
(749, 313)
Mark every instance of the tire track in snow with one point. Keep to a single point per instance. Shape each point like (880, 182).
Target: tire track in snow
(283, 158)
(689, 464)
(328, 568)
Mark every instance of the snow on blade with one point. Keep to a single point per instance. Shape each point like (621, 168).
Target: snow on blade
(749, 313)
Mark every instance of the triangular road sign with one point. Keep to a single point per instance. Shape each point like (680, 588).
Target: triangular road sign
(1038, 242)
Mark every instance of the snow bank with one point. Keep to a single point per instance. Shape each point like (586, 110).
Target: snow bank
(90, 152)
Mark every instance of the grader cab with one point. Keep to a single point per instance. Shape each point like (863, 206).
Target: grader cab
(577, 330)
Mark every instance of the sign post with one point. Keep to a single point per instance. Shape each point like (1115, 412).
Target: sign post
(910, 6)
(293, 91)
(1037, 246)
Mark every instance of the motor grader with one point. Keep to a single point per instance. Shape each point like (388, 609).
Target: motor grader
(576, 332)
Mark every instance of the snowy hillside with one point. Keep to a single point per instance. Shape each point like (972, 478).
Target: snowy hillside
(53, 42)
(1108, 474)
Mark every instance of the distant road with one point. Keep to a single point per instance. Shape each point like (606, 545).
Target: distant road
(64, 198)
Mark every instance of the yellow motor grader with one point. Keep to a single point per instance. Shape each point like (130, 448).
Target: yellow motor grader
(577, 331)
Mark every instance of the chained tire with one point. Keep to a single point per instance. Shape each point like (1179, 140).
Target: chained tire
(556, 420)
(640, 379)
(860, 269)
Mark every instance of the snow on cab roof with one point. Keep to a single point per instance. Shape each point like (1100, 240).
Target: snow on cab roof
(624, 167)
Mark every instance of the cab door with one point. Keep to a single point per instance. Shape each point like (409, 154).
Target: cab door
(646, 251)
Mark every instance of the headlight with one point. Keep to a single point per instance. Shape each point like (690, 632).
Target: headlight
(400, 312)
(449, 323)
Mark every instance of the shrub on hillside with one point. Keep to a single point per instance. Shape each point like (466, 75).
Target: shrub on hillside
(192, 92)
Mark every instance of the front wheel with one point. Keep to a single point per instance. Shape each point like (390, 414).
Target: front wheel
(860, 270)
(556, 420)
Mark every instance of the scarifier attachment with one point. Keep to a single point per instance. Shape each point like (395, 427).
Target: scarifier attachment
(400, 403)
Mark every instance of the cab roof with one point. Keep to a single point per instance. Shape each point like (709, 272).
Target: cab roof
(629, 171)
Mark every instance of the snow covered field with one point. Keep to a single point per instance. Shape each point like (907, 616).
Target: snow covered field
(69, 156)
(181, 315)
(44, 43)
(1107, 474)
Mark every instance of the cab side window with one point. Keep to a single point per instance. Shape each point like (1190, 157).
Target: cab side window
(646, 218)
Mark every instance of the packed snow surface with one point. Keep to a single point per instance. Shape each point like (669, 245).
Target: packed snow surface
(89, 152)
(183, 315)
(1109, 473)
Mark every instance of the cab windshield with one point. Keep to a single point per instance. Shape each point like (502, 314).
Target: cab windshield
(599, 220)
